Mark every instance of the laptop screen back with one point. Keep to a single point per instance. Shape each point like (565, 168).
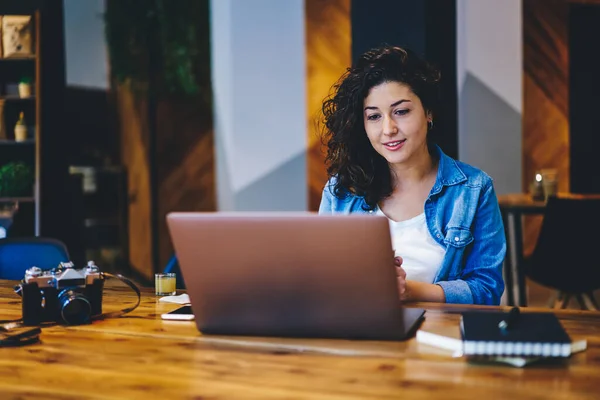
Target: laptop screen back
(289, 274)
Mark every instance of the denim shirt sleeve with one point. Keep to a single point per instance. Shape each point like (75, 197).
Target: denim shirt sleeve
(481, 280)
(326, 206)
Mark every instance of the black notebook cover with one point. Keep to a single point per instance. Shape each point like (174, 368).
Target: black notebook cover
(531, 334)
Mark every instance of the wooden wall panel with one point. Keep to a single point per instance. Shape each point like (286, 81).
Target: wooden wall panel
(545, 96)
(185, 157)
(328, 54)
(185, 170)
(132, 124)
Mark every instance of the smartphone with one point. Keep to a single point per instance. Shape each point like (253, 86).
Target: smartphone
(180, 314)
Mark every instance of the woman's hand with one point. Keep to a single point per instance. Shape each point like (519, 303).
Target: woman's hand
(416, 291)
(401, 273)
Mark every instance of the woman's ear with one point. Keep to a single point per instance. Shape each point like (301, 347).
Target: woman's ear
(429, 120)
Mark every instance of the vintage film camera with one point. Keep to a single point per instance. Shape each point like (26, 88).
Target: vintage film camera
(63, 294)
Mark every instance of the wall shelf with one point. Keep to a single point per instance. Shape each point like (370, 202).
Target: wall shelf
(25, 58)
(12, 70)
(16, 98)
(54, 209)
(17, 199)
(9, 142)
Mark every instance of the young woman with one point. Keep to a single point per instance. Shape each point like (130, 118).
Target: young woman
(382, 159)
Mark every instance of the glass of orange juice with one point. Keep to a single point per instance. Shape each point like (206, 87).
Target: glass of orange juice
(164, 284)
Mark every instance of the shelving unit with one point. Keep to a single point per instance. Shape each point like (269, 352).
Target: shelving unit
(54, 209)
(12, 70)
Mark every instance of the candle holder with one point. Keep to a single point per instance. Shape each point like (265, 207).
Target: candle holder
(549, 182)
(536, 188)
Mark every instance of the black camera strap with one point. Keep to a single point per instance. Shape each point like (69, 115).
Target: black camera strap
(13, 334)
(124, 311)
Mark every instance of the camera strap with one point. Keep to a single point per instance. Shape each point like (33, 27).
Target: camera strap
(124, 311)
(12, 334)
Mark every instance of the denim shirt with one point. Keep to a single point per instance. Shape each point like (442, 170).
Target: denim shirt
(463, 216)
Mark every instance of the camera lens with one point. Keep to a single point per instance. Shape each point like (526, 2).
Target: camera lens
(75, 309)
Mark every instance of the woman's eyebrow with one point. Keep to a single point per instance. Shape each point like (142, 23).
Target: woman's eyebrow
(391, 105)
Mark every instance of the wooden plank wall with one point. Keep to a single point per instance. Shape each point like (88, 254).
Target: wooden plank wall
(328, 54)
(132, 124)
(545, 97)
(185, 176)
(185, 157)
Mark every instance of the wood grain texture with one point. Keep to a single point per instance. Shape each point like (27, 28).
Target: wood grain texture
(176, 171)
(185, 159)
(328, 54)
(546, 97)
(140, 356)
(185, 169)
(132, 124)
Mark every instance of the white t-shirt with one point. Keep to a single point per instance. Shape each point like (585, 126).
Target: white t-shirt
(422, 256)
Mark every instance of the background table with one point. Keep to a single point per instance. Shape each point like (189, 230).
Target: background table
(513, 207)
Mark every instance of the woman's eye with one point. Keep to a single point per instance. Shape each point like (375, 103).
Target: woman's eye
(372, 117)
(402, 112)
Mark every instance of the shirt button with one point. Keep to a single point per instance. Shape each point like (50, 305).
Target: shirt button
(438, 235)
(456, 238)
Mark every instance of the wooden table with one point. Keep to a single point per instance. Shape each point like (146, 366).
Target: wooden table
(142, 357)
(514, 207)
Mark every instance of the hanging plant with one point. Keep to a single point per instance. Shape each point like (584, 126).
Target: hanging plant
(160, 45)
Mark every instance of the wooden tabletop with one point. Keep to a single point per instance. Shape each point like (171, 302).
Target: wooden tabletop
(525, 203)
(520, 201)
(139, 356)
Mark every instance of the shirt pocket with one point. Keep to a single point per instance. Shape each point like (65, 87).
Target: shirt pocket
(457, 240)
(458, 237)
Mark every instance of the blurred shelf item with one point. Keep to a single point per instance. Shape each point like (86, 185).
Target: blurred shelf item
(104, 214)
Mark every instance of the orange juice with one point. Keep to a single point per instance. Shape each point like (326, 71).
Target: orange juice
(164, 284)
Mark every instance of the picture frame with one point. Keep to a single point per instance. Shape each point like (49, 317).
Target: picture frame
(17, 36)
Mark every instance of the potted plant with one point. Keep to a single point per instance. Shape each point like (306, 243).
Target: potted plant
(16, 180)
(25, 87)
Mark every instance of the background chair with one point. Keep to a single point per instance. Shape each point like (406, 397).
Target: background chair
(566, 256)
(173, 266)
(18, 254)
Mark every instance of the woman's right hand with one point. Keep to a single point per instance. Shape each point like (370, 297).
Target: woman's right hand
(401, 274)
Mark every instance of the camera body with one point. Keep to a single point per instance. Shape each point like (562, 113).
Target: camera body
(63, 294)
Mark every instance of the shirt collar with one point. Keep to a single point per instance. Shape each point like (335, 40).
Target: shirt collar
(449, 173)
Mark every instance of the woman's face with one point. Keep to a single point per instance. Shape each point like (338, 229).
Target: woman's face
(396, 122)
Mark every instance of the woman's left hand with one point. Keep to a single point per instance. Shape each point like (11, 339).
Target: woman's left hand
(401, 274)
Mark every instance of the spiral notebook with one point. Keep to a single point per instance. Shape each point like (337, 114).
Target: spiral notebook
(529, 335)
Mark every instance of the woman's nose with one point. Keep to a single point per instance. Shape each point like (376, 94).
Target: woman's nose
(389, 126)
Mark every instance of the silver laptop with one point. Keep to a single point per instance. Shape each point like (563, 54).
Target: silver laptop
(291, 274)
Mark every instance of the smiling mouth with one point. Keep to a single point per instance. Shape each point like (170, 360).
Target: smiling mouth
(395, 144)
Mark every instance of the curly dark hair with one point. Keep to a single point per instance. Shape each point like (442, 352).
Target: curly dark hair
(351, 159)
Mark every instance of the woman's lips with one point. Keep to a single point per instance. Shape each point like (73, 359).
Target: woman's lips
(395, 145)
